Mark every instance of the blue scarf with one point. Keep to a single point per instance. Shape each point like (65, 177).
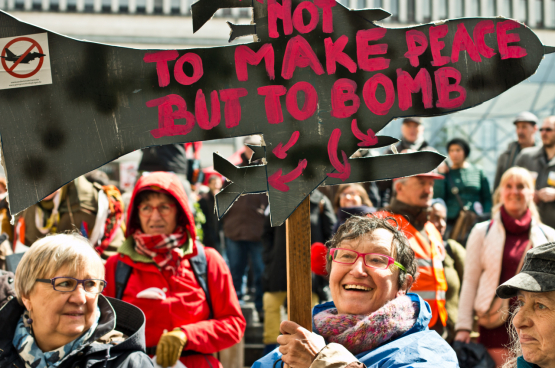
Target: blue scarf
(33, 356)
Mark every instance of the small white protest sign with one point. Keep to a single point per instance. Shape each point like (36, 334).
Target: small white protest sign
(25, 61)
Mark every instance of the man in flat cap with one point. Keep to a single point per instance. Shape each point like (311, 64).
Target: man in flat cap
(526, 125)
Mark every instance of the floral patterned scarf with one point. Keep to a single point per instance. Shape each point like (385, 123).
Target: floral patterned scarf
(359, 333)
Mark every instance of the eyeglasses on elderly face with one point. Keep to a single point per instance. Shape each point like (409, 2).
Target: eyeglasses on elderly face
(163, 209)
(69, 284)
(373, 260)
(547, 130)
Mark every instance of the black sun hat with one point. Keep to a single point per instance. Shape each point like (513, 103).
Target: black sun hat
(537, 274)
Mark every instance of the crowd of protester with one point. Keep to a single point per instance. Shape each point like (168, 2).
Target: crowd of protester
(415, 266)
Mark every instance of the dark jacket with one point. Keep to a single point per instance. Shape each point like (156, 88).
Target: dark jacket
(245, 219)
(7, 291)
(521, 363)
(114, 315)
(472, 185)
(212, 227)
(505, 161)
(535, 160)
(322, 220)
(169, 157)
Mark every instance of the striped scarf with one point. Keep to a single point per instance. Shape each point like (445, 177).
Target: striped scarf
(162, 248)
(359, 333)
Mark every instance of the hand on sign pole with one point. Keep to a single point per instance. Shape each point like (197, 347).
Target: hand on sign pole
(169, 347)
(298, 345)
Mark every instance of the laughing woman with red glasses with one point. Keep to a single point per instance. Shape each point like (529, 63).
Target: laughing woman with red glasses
(189, 315)
(373, 320)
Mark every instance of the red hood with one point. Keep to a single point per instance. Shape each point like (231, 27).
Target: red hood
(171, 184)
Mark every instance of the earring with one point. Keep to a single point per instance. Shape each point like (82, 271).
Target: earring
(27, 320)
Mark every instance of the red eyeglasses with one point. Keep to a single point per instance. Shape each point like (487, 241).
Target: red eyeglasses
(163, 209)
(373, 260)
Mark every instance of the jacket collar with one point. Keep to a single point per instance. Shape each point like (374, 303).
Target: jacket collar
(540, 155)
(417, 216)
(537, 235)
(521, 363)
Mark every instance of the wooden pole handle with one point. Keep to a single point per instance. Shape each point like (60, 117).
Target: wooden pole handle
(299, 274)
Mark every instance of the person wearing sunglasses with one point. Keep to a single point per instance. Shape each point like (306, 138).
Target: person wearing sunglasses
(373, 320)
(190, 315)
(540, 161)
(60, 319)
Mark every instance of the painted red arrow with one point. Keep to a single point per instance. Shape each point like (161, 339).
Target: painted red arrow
(281, 152)
(368, 139)
(343, 170)
(279, 181)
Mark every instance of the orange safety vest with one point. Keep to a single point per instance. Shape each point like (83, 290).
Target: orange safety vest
(430, 284)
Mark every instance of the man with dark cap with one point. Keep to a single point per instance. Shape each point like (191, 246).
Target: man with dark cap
(540, 161)
(526, 125)
(412, 139)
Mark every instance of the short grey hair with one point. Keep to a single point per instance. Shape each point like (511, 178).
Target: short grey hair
(358, 226)
(51, 253)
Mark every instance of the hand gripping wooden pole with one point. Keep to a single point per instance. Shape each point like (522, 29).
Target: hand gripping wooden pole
(299, 277)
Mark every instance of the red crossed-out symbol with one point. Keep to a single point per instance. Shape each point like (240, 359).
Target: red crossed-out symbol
(10, 71)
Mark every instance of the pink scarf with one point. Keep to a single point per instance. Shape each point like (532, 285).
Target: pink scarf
(359, 333)
(163, 248)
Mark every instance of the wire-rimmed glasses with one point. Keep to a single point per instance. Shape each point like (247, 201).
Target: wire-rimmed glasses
(373, 260)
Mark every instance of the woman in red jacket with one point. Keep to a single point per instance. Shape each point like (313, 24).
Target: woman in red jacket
(160, 241)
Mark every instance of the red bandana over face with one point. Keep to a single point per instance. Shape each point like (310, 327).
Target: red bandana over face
(162, 248)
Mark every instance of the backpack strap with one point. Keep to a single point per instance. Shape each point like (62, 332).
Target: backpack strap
(489, 227)
(123, 272)
(448, 249)
(200, 266)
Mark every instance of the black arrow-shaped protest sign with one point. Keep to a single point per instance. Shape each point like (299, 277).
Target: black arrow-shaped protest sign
(253, 179)
(316, 67)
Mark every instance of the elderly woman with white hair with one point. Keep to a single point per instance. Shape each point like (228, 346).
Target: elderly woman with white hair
(59, 318)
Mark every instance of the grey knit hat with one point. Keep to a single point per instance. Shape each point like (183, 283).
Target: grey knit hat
(537, 274)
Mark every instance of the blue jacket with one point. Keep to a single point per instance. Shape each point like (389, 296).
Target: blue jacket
(418, 347)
